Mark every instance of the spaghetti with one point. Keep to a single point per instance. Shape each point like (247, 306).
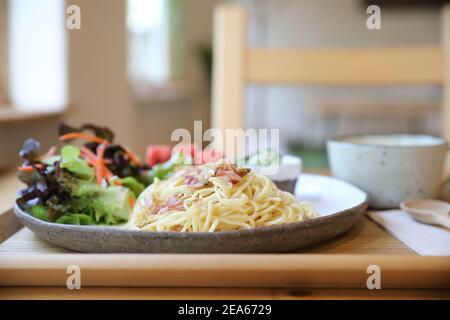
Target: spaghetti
(215, 197)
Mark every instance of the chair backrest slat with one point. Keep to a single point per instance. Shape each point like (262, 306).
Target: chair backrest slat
(236, 65)
(352, 66)
(230, 25)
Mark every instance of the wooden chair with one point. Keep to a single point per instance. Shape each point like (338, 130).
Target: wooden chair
(236, 65)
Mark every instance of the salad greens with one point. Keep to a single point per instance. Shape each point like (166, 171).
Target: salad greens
(95, 184)
(163, 170)
(71, 161)
(262, 158)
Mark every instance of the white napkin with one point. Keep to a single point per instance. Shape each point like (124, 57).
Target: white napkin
(425, 239)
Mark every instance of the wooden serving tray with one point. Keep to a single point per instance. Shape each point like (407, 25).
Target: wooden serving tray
(25, 260)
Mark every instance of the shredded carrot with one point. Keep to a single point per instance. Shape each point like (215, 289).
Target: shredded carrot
(131, 201)
(90, 157)
(118, 183)
(133, 158)
(101, 152)
(99, 166)
(90, 162)
(98, 162)
(88, 154)
(99, 174)
(25, 168)
(84, 136)
(107, 173)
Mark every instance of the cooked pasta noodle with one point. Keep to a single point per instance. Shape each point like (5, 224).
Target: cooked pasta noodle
(215, 197)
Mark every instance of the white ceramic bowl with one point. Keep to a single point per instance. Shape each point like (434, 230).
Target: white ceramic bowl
(390, 167)
(285, 175)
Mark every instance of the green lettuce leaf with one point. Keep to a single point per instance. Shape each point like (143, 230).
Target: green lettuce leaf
(162, 171)
(135, 186)
(112, 204)
(71, 161)
(75, 218)
(39, 211)
(104, 204)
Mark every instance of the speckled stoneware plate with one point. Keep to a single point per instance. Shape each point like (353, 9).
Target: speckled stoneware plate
(340, 206)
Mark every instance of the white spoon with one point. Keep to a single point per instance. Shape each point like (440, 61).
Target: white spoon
(429, 211)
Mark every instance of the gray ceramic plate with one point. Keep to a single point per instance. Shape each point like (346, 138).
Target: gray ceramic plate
(339, 203)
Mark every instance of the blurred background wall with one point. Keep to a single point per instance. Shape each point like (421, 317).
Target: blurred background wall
(4, 77)
(317, 113)
(99, 87)
(100, 90)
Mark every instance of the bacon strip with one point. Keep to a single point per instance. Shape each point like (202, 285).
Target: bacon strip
(173, 203)
(151, 206)
(193, 181)
(231, 172)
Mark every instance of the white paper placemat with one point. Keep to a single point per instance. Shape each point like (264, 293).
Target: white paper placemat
(425, 239)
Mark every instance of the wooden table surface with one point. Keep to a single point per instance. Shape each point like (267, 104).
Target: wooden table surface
(121, 293)
(365, 238)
